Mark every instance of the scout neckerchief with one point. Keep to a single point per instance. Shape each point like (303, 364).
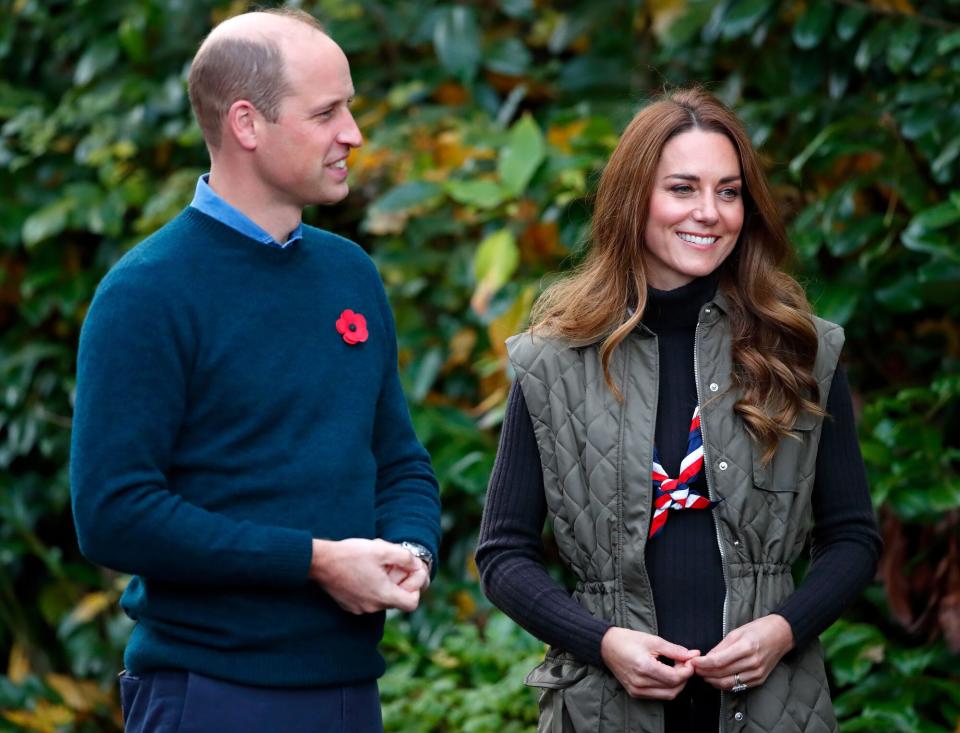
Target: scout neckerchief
(675, 493)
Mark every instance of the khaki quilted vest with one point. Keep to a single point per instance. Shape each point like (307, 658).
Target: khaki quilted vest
(596, 455)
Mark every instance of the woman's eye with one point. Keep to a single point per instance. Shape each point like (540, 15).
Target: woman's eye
(730, 193)
(681, 188)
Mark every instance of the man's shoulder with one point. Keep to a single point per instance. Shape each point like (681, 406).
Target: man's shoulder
(153, 263)
(333, 246)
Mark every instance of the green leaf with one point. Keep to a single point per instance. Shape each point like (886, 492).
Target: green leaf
(510, 57)
(849, 22)
(902, 44)
(948, 43)
(919, 119)
(132, 36)
(813, 25)
(98, 58)
(47, 222)
(522, 155)
(904, 296)
(426, 371)
(936, 217)
(483, 194)
(871, 45)
(456, 38)
(742, 17)
(496, 259)
(516, 8)
(836, 302)
(407, 196)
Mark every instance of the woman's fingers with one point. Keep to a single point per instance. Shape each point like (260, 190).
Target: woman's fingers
(633, 657)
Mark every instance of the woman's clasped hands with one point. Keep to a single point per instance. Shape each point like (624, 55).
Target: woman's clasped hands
(746, 656)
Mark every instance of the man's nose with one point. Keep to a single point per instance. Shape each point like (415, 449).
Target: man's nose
(350, 134)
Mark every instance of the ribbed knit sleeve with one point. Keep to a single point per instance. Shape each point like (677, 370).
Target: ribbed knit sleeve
(845, 541)
(510, 552)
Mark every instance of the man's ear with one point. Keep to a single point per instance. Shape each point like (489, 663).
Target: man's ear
(241, 123)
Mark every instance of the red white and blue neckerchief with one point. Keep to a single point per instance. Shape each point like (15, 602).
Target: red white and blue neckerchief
(675, 493)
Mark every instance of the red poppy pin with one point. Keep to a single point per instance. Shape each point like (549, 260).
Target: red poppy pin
(353, 327)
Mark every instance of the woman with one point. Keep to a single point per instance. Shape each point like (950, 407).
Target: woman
(679, 415)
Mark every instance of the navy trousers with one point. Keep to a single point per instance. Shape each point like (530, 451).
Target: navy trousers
(175, 701)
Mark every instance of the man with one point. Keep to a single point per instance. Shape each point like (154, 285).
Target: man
(241, 443)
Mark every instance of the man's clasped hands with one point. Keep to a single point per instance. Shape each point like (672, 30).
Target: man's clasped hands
(365, 576)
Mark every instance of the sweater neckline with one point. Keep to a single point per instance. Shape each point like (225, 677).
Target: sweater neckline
(228, 236)
(679, 308)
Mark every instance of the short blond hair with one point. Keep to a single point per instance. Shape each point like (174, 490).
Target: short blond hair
(229, 69)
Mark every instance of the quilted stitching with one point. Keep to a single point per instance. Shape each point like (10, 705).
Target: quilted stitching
(587, 473)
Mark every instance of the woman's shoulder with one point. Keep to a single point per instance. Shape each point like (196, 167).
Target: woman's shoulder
(527, 348)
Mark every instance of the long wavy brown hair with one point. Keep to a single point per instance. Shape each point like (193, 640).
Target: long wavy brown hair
(603, 299)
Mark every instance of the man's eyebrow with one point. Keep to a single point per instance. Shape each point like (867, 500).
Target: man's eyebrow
(331, 102)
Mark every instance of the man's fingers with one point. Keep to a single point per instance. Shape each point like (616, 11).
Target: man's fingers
(405, 600)
(393, 554)
(416, 580)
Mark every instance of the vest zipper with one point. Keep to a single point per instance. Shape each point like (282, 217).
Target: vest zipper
(706, 475)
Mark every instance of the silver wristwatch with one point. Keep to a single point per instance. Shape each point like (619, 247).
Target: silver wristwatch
(418, 550)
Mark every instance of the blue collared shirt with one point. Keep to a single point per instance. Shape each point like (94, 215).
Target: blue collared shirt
(208, 202)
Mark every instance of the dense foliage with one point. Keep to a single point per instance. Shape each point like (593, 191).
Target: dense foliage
(486, 126)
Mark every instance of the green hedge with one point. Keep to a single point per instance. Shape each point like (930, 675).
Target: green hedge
(486, 126)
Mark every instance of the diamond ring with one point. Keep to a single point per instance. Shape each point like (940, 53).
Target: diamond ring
(738, 684)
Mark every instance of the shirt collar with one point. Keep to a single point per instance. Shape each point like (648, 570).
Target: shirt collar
(209, 202)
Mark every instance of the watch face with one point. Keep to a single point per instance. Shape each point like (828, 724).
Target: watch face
(419, 551)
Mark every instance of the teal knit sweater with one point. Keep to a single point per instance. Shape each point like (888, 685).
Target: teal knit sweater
(221, 423)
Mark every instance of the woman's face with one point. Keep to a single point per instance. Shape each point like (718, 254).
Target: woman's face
(696, 209)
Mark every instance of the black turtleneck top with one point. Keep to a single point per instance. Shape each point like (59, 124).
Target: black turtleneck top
(683, 561)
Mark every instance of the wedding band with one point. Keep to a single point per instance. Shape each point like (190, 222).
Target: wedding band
(738, 684)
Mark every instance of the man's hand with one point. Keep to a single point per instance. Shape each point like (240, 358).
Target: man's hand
(418, 580)
(358, 574)
(750, 651)
(633, 657)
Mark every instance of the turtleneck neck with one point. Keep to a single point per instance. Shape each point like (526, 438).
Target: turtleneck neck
(678, 308)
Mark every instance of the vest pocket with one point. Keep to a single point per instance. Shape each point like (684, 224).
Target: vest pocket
(571, 694)
(782, 473)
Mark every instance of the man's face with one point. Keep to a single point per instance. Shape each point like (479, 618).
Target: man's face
(301, 158)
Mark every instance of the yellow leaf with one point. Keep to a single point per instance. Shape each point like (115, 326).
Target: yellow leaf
(90, 606)
(45, 718)
(19, 665)
(443, 659)
(221, 14)
(461, 347)
(496, 397)
(664, 13)
(511, 321)
(80, 695)
(494, 263)
(898, 6)
(366, 161)
(560, 135)
(465, 605)
(369, 118)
